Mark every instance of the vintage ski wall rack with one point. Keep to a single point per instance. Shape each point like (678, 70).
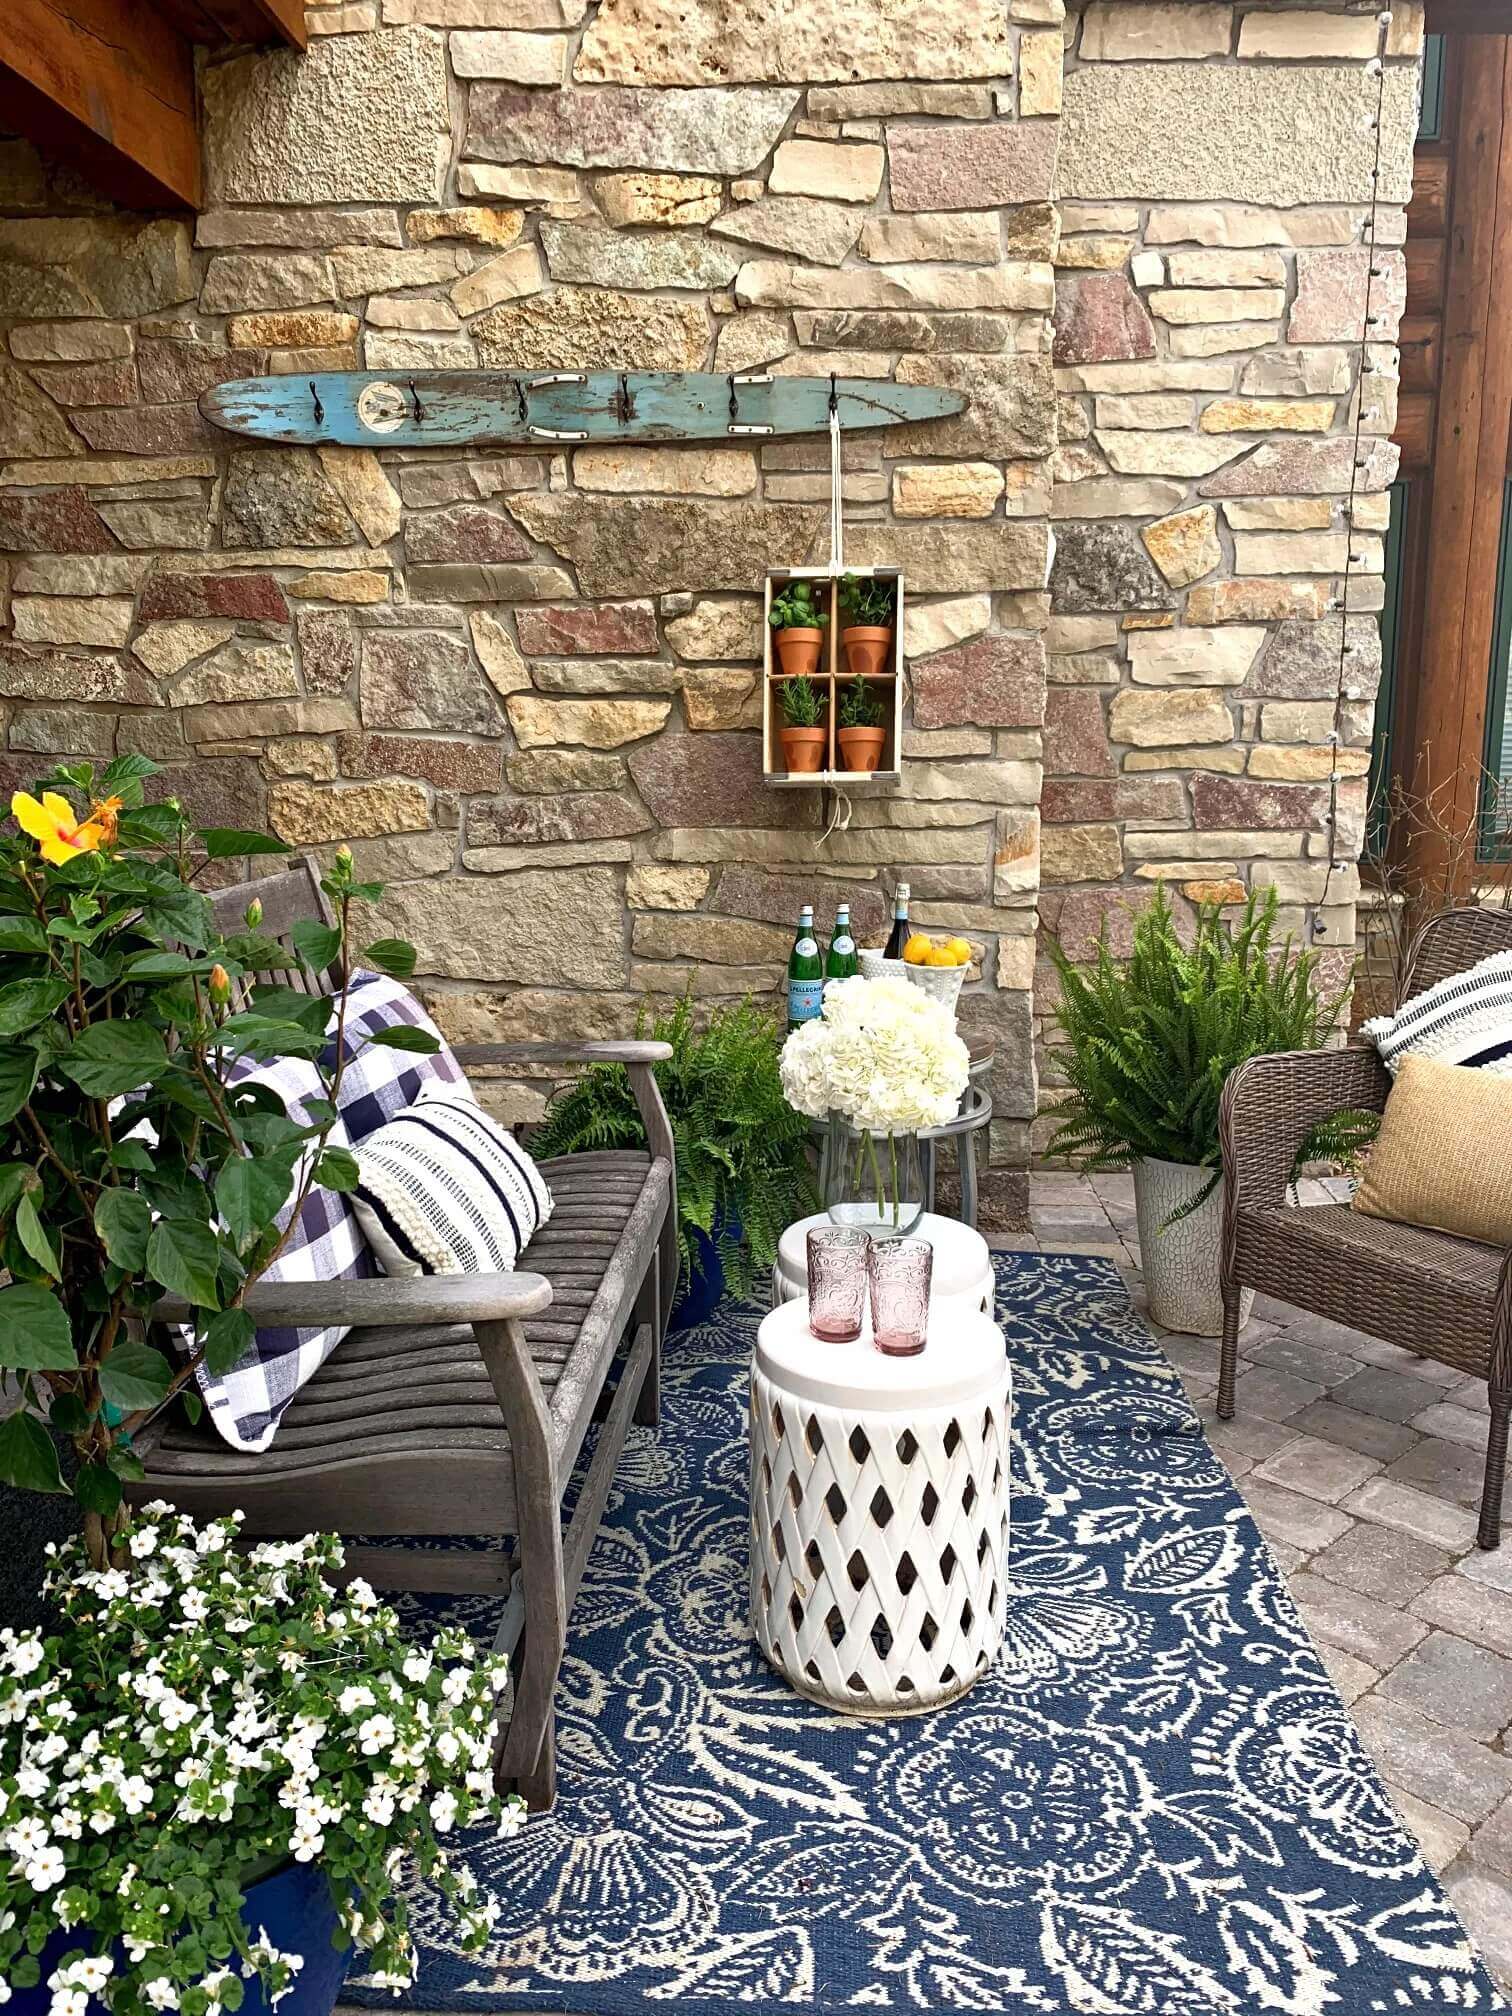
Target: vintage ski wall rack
(441, 409)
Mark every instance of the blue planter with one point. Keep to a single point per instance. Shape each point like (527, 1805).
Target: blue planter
(294, 1907)
(701, 1294)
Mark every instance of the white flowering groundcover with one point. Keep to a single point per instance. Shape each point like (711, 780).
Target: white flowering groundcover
(204, 1716)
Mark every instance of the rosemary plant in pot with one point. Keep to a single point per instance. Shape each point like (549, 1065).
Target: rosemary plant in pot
(1148, 1045)
(803, 735)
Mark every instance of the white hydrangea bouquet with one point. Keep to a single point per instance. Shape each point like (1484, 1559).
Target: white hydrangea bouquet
(884, 1059)
(205, 1716)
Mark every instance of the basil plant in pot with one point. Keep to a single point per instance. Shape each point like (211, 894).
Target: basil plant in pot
(210, 1770)
(1148, 1044)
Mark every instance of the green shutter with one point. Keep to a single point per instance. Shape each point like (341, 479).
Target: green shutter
(1378, 818)
(1496, 796)
(1431, 105)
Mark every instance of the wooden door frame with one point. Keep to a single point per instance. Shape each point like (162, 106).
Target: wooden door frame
(1446, 722)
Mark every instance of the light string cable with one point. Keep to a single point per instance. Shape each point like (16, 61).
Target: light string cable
(1345, 692)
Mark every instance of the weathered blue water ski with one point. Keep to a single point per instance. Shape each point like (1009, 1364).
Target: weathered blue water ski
(441, 409)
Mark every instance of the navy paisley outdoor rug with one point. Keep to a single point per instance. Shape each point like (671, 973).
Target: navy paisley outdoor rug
(1154, 1803)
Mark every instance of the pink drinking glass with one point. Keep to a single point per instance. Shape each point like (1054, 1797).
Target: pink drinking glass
(837, 1282)
(900, 1276)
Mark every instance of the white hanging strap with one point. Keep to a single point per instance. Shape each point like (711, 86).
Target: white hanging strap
(837, 510)
(839, 818)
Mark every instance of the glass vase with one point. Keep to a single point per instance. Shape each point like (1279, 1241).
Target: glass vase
(874, 1182)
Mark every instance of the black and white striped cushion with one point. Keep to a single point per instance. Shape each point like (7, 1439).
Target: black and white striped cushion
(1466, 1019)
(443, 1189)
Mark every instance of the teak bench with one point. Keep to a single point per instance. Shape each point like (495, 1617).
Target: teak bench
(458, 1408)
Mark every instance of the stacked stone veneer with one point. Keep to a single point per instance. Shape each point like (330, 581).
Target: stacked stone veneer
(525, 684)
(1212, 270)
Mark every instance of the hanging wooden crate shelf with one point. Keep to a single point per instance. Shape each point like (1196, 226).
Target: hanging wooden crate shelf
(832, 676)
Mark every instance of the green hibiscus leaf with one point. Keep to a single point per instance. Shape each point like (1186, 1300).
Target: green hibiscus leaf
(123, 1219)
(317, 944)
(22, 934)
(35, 1333)
(97, 1490)
(25, 1003)
(402, 1037)
(33, 1236)
(231, 843)
(228, 1337)
(184, 1255)
(394, 956)
(337, 1169)
(133, 1375)
(29, 1460)
(112, 1058)
(249, 1191)
(18, 1075)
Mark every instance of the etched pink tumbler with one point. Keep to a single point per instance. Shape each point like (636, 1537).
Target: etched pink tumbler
(837, 1282)
(900, 1276)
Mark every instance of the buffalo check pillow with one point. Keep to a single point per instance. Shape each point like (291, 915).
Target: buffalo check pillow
(444, 1189)
(247, 1403)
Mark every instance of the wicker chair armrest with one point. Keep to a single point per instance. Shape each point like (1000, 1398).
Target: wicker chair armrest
(1271, 1104)
(387, 1301)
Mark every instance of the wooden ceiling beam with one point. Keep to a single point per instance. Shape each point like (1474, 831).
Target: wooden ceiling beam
(110, 85)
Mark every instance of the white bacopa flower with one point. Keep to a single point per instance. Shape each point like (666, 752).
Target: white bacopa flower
(353, 1698)
(28, 1837)
(161, 1994)
(306, 1841)
(443, 1811)
(46, 1869)
(68, 2002)
(375, 1735)
(511, 1818)
(92, 1972)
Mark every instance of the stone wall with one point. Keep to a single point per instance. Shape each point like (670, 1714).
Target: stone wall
(1214, 181)
(525, 684)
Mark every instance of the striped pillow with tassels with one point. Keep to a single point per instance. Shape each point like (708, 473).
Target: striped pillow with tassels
(1466, 1019)
(443, 1189)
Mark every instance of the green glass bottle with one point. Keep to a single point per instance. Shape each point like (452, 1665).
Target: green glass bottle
(842, 961)
(805, 973)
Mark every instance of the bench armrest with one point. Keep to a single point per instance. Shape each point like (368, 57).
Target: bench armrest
(1271, 1104)
(386, 1301)
(470, 1055)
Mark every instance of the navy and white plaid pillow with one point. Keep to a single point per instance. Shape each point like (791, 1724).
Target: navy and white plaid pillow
(1464, 1019)
(378, 1082)
(246, 1403)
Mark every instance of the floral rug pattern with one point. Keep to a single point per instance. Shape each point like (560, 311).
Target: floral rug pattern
(1154, 1802)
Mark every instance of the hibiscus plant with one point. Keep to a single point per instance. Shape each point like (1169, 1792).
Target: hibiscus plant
(137, 1156)
(205, 1715)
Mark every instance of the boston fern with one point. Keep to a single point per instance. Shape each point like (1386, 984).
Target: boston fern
(1149, 1043)
(742, 1168)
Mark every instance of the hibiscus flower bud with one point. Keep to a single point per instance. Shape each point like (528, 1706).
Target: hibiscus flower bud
(220, 985)
(343, 857)
(253, 914)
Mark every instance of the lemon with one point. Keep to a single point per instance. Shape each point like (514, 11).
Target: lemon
(960, 952)
(916, 952)
(940, 955)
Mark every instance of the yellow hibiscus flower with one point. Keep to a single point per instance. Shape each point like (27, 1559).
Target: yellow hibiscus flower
(58, 831)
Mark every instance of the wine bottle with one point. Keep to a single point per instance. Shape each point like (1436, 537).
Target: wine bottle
(842, 961)
(805, 973)
(897, 938)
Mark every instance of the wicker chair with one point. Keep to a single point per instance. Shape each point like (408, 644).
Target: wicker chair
(1444, 1298)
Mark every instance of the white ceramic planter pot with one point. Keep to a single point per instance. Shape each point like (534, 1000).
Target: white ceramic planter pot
(1181, 1263)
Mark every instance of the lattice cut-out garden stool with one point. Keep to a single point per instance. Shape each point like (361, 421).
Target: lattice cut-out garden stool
(962, 1263)
(879, 1510)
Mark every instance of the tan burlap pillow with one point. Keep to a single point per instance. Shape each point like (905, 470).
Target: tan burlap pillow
(1444, 1154)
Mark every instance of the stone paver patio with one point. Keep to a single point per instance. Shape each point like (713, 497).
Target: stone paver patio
(1362, 1465)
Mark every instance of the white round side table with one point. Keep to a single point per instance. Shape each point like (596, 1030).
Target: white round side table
(879, 1510)
(962, 1263)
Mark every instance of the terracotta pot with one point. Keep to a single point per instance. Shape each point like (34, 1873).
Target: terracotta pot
(868, 647)
(803, 748)
(861, 748)
(798, 652)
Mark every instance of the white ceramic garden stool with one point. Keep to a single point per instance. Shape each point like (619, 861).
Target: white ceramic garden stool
(879, 1510)
(962, 1263)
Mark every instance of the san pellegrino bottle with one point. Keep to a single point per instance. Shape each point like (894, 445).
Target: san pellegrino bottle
(842, 961)
(805, 973)
(898, 937)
